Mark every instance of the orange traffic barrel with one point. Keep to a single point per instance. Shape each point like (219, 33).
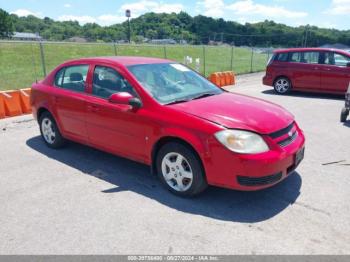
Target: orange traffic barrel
(215, 79)
(2, 108)
(12, 104)
(25, 100)
(228, 78)
(222, 78)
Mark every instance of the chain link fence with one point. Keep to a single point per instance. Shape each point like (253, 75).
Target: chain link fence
(24, 62)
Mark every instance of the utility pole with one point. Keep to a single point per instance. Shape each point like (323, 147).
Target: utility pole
(306, 35)
(128, 15)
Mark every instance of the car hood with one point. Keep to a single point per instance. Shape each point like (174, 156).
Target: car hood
(238, 111)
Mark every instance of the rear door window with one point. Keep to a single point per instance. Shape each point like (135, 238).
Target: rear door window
(72, 77)
(310, 57)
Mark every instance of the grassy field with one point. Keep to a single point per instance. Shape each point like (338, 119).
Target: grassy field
(21, 64)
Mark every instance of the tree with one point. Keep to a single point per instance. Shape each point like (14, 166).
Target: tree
(197, 30)
(6, 26)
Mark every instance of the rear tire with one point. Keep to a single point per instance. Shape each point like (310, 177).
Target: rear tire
(180, 170)
(50, 132)
(344, 114)
(282, 85)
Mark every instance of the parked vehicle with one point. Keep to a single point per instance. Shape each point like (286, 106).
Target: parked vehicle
(161, 113)
(309, 69)
(345, 111)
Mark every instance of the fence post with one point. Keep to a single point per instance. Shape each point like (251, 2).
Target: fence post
(251, 61)
(232, 58)
(43, 64)
(204, 71)
(115, 49)
(165, 55)
(268, 56)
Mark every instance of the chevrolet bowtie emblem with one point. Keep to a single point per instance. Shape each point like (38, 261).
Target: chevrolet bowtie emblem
(290, 133)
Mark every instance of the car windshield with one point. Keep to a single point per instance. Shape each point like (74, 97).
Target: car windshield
(173, 83)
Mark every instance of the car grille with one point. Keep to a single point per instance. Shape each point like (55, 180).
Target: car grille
(288, 140)
(259, 181)
(285, 136)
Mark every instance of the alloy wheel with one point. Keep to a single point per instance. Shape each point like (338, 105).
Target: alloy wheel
(48, 130)
(177, 171)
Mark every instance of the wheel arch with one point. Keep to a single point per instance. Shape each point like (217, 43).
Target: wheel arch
(168, 139)
(40, 111)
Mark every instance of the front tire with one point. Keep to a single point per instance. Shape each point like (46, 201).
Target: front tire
(344, 114)
(282, 85)
(180, 170)
(50, 132)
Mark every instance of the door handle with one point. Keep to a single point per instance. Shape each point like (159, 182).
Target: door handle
(316, 68)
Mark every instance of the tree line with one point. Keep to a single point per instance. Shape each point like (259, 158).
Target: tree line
(195, 30)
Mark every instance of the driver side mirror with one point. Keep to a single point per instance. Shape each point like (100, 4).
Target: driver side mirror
(125, 98)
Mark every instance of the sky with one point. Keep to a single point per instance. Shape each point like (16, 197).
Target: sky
(322, 13)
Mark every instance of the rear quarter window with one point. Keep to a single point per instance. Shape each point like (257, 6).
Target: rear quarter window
(59, 77)
(281, 57)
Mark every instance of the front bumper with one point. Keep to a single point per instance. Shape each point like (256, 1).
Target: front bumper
(251, 172)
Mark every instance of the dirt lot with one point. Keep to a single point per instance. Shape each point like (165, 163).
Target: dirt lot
(82, 201)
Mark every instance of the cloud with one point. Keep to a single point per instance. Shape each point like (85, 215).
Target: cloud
(248, 7)
(339, 7)
(81, 19)
(213, 8)
(144, 6)
(102, 20)
(67, 5)
(25, 12)
(137, 9)
(105, 20)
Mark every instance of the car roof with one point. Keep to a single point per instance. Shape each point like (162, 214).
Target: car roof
(121, 60)
(306, 49)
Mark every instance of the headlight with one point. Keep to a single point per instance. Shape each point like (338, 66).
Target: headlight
(243, 142)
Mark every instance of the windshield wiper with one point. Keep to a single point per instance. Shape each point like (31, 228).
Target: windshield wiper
(192, 98)
(203, 95)
(178, 101)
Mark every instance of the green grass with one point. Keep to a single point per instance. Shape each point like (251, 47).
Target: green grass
(21, 64)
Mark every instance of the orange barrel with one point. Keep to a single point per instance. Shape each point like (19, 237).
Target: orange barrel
(25, 100)
(12, 102)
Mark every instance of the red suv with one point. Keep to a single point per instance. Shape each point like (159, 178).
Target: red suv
(161, 113)
(309, 69)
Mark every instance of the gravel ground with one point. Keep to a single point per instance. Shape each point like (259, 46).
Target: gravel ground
(79, 200)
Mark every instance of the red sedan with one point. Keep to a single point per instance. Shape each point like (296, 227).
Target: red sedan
(322, 70)
(161, 113)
